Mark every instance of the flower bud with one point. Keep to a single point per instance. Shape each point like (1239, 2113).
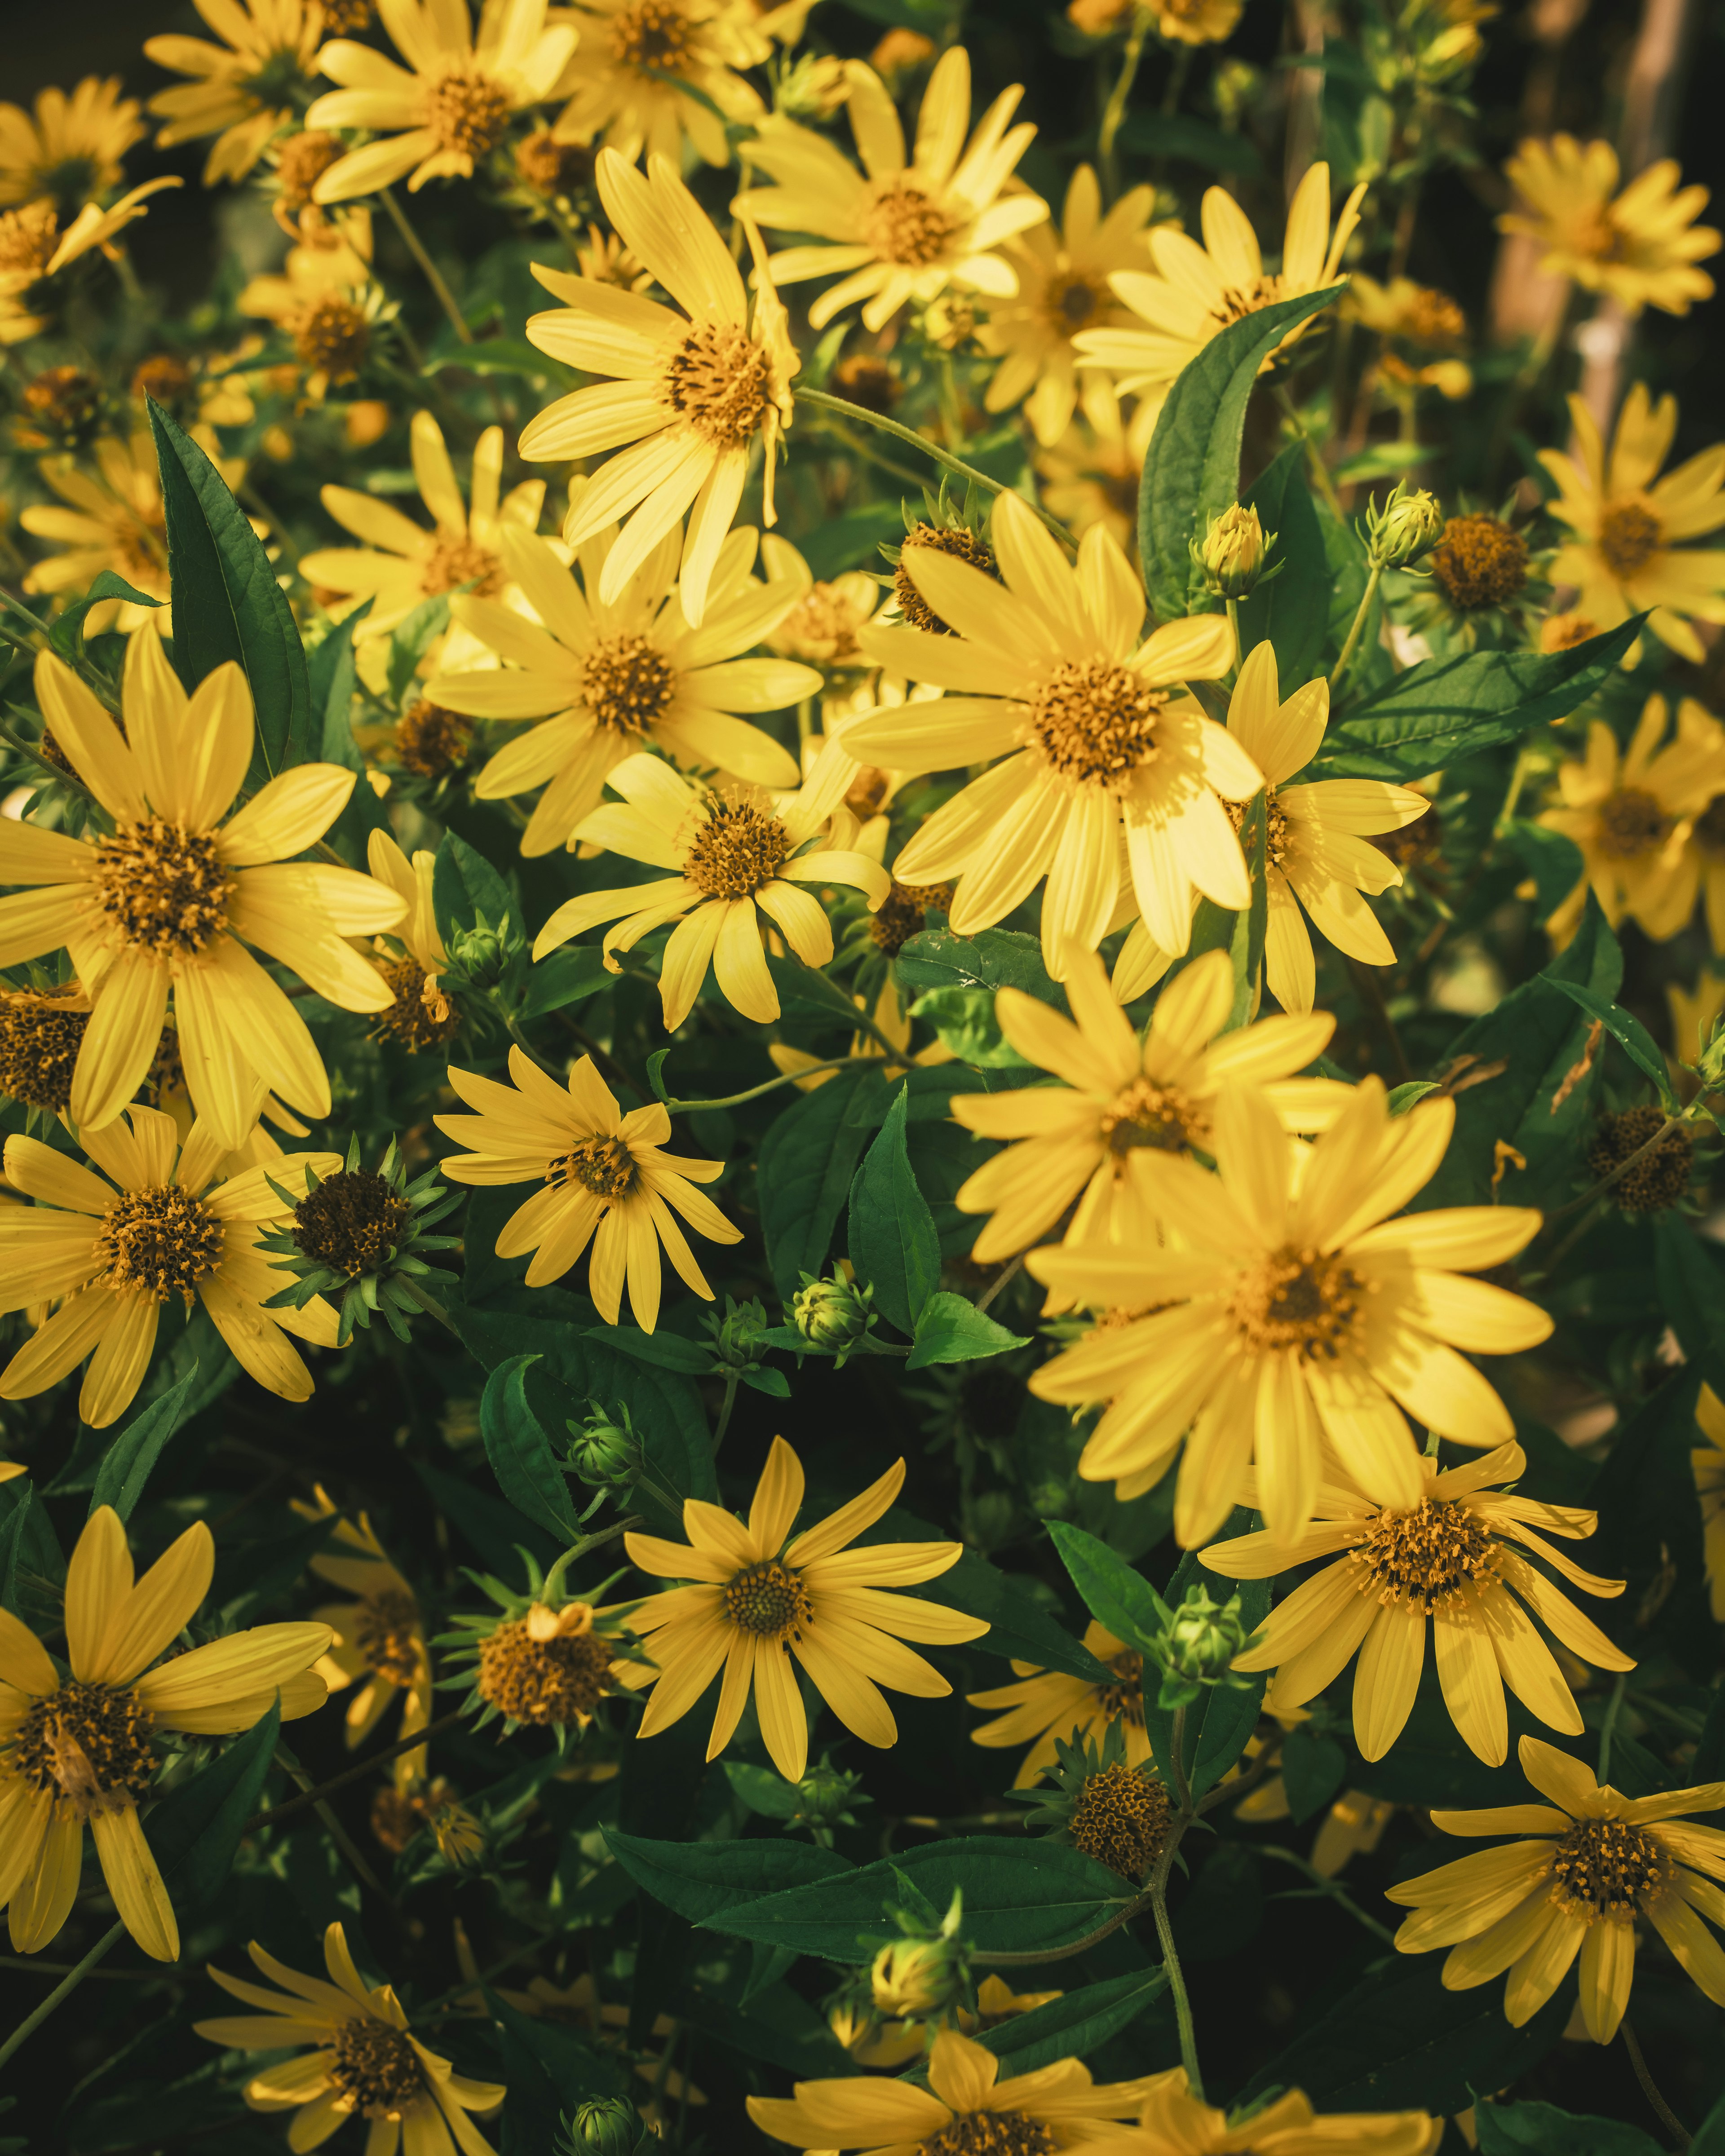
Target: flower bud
(605, 1454)
(825, 1794)
(1406, 526)
(459, 1835)
(925, 1976)
(606, 2125)
(813, 88)
(832, 1315)
(1196, 1646)
(738, 1337)
(1232, 556)
(482, 953)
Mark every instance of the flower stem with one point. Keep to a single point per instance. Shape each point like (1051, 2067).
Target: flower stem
(62, 1991)
(1373, 581)
(337, 1833)
(1114, 112)
(726, 1406)
(432, 275)
(1331, 1889)
(1607, 1728)
(754, 1092)
(1668, 2117)
(1175, 1974)
(353, 1774)
(429, 1303)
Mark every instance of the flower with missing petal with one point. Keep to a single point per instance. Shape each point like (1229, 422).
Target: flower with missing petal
(34, 249)
(242, 91)
(378, 1639)
(1044, 1705)
(1640, 246)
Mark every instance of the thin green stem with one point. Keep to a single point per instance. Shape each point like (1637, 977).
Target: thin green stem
(1650, 2088)
(1331, 1889)
(1608, 1729)
(353, 1774)
(725, 1408)
(754, 1092)
(1176, 1977)
(1358, 627)
(1114, 112)
(1319, 470)
(1177, 1765)
(61, 1993)
(857, 447)
(337, 1833)
(1599, 1189)
(432, 274)
(429, 1303)
(16, 741)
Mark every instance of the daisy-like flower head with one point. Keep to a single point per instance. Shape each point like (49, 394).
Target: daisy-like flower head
(367, 2063)
(1447, 1562)
(1626, 556)
(378, 1642)
(412, 961)
(324, 300)
(244, 89)
(1599, 1861)
(1709, 1462)
(754, 1598)
(1175, 2122)
(650, 73)
(451, 104)
(733, 856)
(1047, 1705)
(899, 231)
(688, 392)
(70, 148)
(1196, 22)
(543, 1660)
(606, 1182)
(1640, 246)
(33, 247)
(77, 1749)
(1091, 476)
(1289, 1316)
(165, 904)
(1047, 670)
(112, 519)
(606, 678)
(1198, 292)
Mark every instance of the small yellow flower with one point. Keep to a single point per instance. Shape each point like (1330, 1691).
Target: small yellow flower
(378, 1640)
(1174, 2123)
(1640, 246)
(34, 249)
(414, 958)
(243, 90)
(71, 149)
(323, 298)
(650, 73)
(1047, 1705)
(1709, 1462)
(112, 519)
(1196, 22)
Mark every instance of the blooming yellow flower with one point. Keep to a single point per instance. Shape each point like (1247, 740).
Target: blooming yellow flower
(71, 149)
(367, 2062)
(1197, 291)
(1600, 1860)
(1709, 1462)
(1091, 476)
(1625, 554)
(378, 1640)
(1196, 22)
(1641, 248)
(452, 102)
(690, 392)
(323, 298)
(412, 961)
(608, 1182)
(754, 1598)
(733, 856)
(1047, 669)
(1288, 1318)
(651, 71)
(898, 231)
(166, 905)
(77, 1748)
(606, 678)
(34, 249)
(112, 520)
(243, 90)
(1173, 2122)
(1048, 1705)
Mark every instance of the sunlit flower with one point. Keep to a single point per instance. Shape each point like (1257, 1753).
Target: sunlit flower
(412, 959)
(34, 248)
(1641, 247)
(71, 149)
(651, 71)
(1091, 474)
(378, 1642)
(1045, 1706)
(1174, 2123)
(243, 88)
(323, 298)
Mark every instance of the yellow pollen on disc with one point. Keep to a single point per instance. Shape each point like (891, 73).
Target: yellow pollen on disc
(375, 2067)
(1239, 301)
(39, 1039)
(1275, 825)
(653, 33)
(1125, 1696)
(410, 1021)
(627, 683)
(721, 380)
(1629, 537)
(385, 1632)
(164, 889)
(1096, 723)
(468, 114)
(990, 2134)
(1428, 1558)
(1603, 1868)
(737, 848)
(333, 334)
(455, 562)
(604, 1166)
(1298, 1301)
(907, 228)
(767, 1600)
(1072, 304)
(1632, 822)
(160, 1241)
(89, 1744)
(556, 1682)
(1146, 1114)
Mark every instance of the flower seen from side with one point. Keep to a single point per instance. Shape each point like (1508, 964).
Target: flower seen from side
(377, 1649)
(1640, 247)
(1046, 1705)
(110, 518)
(242, 91)
(412, 960)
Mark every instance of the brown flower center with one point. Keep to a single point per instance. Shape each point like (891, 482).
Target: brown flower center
(821, 628)
(906, 227)
(962, 545)
(867, 380)
(39, 1040)
(1095, 722)
(163, 376)
(551, 167)
(333, 334)
(1298, 1300)
(770, 1600)
(466, 113)
(386, 1633)
(1631, 822)
(160, 1241)
(1125, 1694)
(1275, 825)
(1480, 562)
(304, 158)
(1660, 1179)
(28, 239)
(164, 889)
(990, 2134)
(559, 1681)
(1602, 1867)
(1629, 537)
(89, 1743)
(1120, 1817)
(347, 18)
(410, 1021)
(350, 1223)
(64, 400)
(737, 848)
(429, 740)
(1239, 301)
(604, 1166)
(721, 380)
(1432, 317)
(1072, 303)
(456, 561)
(627, 683)
(901, 913)
(654, 34)
(1146, 1114)
(375, 2067)
(1428, 1557)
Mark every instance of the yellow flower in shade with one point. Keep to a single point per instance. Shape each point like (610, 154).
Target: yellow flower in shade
(1197, 291)
(690, 393)
(1047, 1705)
(1196, 22)
(1174, 2123)
(606, 1182)
(965, 2105)
(1293, 1318)
(379, 1638)
(1625, 554)
(733, 857)
(167, 904)
(33, 247)
(1600, 1860)
(111, 519)
(401, 564)
(754, 1598)
(1445, 1564)
(608, 678)
(897, 231)
(1063, 287)
(77, 1748)
(453, 103)
(1091, 476)
(412, 960)
(1047, 669)
(175, 1225)
(1640, 246)
(1633, 814)
(324, 300)
(650, 73)
(367, 2062)
(1075, 1140)
(1708, 1461)
(242, 91)
(70, 148)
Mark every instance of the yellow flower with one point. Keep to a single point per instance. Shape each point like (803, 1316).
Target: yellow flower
(71, 150)
(1091, 476)
(1641, 248)
(898, 231)
(366, 2061)
(1292, 1319)
(1047, 1705)
(77, 1748)
(112, 520)
(1175, 2122)
(1446, 1559)
(608, 1182)
(1199, 291)
(1048, 671)
(733, 856)
(1600, 1861)
(167, 904)
(607, 678)
(244, 91)
(1196, 22)
(690, 392)
(650, 72)
(380, 1638)
(1695, 1013)
(323, 298)
(1624, 557)
(1709, 1462)
(754, 1599)
(453, 103)
(412, 961)
(33, 247)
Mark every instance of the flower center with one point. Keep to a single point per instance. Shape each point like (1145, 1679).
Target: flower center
(551, 167)
(333, 334)
(902, 911)
(558, 1680)
(163, 376)
(1629, 537)
(906, 227)
(1146, 1114)
(303, 159)
(161, 1241)
(1095, 722)
(1661, 1179)
(1072, 304)
(39, 1040)
(375, 2067)
(350, 1223)
(1275, 825)
(604, 1166)
(1480, 562)
(737, 849)
(385, 1632)
(164, 889)
(1427, 1556)
(452, 562)
(430, 740)
(721, 380)
(1125, 1695)
(90, 1744)
(821, 628)
(1298, 1300)
(412, 1022)
(653, 33)
(1239, 301)
(1601, 1866)
(990, 2134)
(1120, 1817)
(963, 547)
(28, 239)
(627, 683)
(1631, 822)
(466, 113)
(768, 1600)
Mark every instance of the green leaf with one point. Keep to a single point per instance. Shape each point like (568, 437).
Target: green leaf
(548, 2068)
(464, 884)
(1193, 141)
(1313, 1768)
(492, 1528)
(704, 1880)
(965, 1022)
(936, 959)
(568, 975)
(126, 1469)
(1218, 1724)
(1079, 2022)
(1553, 860)
(1191, 470)
(65, 632)
(894, 1246)
(410, 640)
(1649, 1520)
(518, 1447)
(763, 1790)
(195, 1830)
(1404, 1097)
(1118, 1598)
(502, 356)
(664, 1351)
(1691, 1293)
(1019, 1627)
(227, 603)
(1710, 2139)
(1627, 1030)
(32, 1570)
(802, 1176)
(853, 540)
(951, 1330)
(1291, 609)
(333, 680)
(1541, 2129)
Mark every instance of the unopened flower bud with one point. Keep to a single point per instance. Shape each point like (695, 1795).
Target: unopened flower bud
(1197, 1646)
(813, 88)
(1407, 526)
(482, 953)
(602, 1452)
(737, 1336)
(824, 1794)
(832, 1315)
(1233, 554)
(606, 2125)
(925, 1975)
(459, 1835)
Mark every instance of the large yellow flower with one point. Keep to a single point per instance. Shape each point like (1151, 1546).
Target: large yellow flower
(367, 2062)
(378, 1640)
(77, 1748)
(1626, 555)
(1286, 1317)
(1047, 669)
(1199, 291)
(71, 149)
(1047, 1705)
(1174, 2123)
(754, 1598)
(1641, 247)
(243, 90)
(608, 1182)
(166, 904)
(112, 520)
(607, 678)
(899, 231)
(1600, 1860)
(1446, 1563)
(690, 392)
(651, 71)
(452, 102)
